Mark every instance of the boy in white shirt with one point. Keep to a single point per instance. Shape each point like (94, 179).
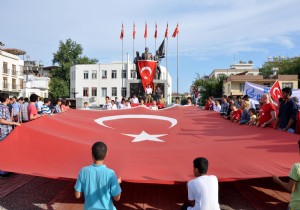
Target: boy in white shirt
(203, 190)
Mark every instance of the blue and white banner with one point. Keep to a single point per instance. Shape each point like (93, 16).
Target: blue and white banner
(255, 91)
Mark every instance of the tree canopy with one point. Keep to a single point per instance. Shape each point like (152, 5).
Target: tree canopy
(69, 53)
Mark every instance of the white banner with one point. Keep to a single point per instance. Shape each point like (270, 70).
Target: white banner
(255, 91)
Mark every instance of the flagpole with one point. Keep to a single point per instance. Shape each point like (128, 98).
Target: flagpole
(122, 70)
(133, 48)
(167, 71)
(177, 66)
(155, 34)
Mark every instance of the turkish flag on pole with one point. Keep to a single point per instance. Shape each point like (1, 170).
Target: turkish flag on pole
(147, 69)
(122, 32)
(275, 92)
(176, 31)
(155, 34)
(167, 31)
(146, 31)
(134, 31)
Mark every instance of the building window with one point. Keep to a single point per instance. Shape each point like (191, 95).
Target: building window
(242, 86)
(14, 84)
(267, 84)
(104, 74)
(113, 91)
(94, 91)
(133, 74)
(14, 70)
(114, 74)
(104, 92)
(5, 84)
(287, 84)
(85, 91)
(21, 84)
(86, 75)
(5, 69)
(124, 74)
(124, 92)
(94, 74)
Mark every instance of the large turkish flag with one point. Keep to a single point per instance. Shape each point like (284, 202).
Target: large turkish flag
(149, 146)
(147, 69)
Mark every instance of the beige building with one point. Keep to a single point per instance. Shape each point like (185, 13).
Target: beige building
(234, 84)
(234, 69)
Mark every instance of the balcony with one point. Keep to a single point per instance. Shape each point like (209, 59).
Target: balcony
(14, 72)
(6, 71)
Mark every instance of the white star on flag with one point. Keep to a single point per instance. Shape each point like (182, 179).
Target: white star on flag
(144, 136)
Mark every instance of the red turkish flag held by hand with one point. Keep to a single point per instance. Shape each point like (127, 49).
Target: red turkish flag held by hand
(275, 92)
(147, 71)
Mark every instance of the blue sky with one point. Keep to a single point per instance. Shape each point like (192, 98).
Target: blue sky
(211, 31)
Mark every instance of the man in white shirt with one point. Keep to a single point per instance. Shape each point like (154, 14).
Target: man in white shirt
(203, 190)
(135, 100)
(107, 105)
(153, 106)
(148, 92)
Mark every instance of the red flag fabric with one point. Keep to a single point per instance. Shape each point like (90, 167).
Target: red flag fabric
(148, 146)
(122, 32)
(167, 31)
(147, 69)
(176, 32)
(146, 31)
(275, 92)
(134, 31)
(155, 34)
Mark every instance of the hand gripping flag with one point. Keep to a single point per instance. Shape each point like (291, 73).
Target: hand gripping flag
(275, 92)
(147, 69)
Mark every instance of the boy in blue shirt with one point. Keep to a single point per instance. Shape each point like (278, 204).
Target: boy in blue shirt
(97, 183)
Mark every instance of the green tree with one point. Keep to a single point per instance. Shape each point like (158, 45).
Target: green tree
(59, 88)
(68, 54)
(209, 87)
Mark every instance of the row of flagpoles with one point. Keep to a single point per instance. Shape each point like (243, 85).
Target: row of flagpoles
(175, 34)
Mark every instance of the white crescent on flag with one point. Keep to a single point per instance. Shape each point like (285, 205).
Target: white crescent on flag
(101, 120)
(146, 68)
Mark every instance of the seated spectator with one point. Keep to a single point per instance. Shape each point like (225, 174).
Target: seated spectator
(224, 106)
(113, 105)
(177, 102)
(122, 104)
(134, 99)
(228, 114)
(236, 114)
(212, 103)
(217, 107)
(238, 102)
(97, 183)
(24, 108)
(57, 107)
(153, 106)
(207, 104)
(68, 105)
(293, 186)
(32, 111)
(296, 101)
(203, 190)
(267, 114)
(288, 112)
(253, 117)
(160, 105)
(45, 108)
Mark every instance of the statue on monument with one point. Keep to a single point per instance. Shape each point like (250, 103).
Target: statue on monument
(157, 58)
(138, 57)
(147, 55)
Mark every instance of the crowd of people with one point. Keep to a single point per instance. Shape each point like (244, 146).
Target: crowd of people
(243, 110)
